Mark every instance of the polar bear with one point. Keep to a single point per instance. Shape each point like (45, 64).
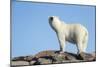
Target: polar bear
(73, 33)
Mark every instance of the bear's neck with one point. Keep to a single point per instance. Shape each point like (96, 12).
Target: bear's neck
(56, 24)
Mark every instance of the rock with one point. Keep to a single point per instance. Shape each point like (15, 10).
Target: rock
(52, 57)
(18, 58)
(43, 61)
(69, 56)
(45, 53)
(59, 58)
(28, 58)
(19, 63)
(87, 56)
(32, 62)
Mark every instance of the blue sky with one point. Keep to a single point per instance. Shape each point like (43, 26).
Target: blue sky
(31, 32)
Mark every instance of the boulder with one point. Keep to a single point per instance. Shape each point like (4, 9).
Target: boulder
(52, 57)
(19, 63)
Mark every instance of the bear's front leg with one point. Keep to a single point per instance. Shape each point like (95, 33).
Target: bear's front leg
(61, 39)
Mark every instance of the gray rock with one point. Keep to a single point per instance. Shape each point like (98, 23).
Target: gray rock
(59, 58)
(19, 63)
(44, 61)
(52, 57)
(21, 58)
(32, 62)
(28, 58)
(45, 53)
(87, 56)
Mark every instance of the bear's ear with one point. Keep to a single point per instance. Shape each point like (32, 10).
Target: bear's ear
(58, 17)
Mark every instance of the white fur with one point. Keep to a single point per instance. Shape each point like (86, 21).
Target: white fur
(73, 33)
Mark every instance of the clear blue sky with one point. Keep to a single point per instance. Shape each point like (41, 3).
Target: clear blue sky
(31, 32)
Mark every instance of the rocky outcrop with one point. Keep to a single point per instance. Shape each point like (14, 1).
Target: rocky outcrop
(52, 57)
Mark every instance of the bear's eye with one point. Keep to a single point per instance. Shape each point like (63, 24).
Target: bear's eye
(51, 18)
